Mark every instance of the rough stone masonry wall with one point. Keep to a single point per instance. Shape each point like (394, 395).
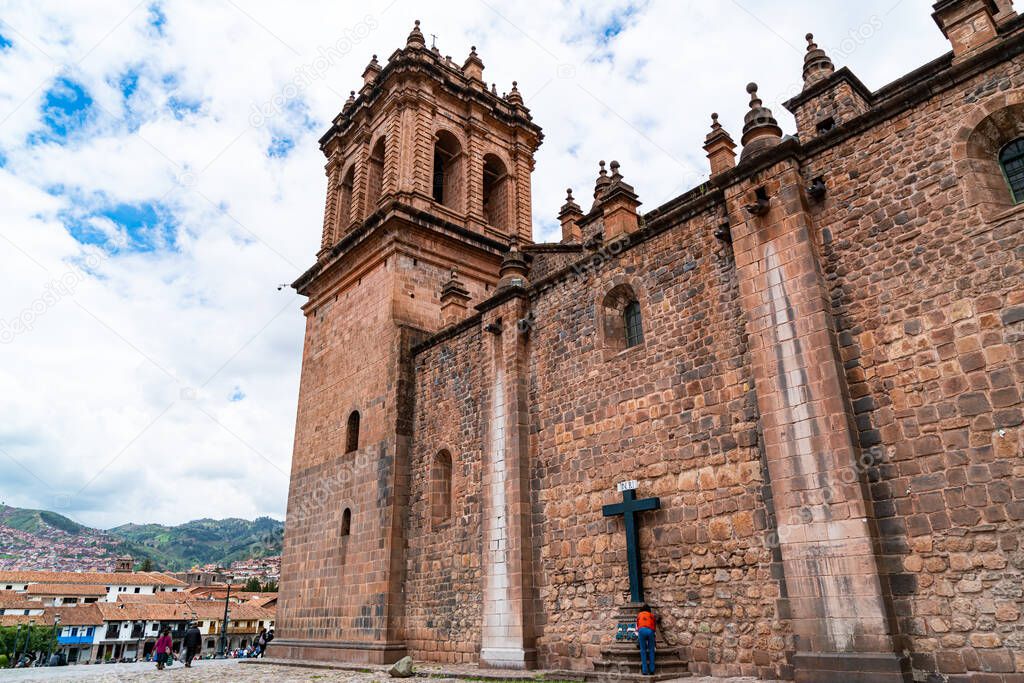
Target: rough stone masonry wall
(929, 300)
(333, 586)
(678, 414)
(443, 585)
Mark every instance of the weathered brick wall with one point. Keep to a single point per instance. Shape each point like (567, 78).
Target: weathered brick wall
(443, 587)
(929, 297)
(676, 413)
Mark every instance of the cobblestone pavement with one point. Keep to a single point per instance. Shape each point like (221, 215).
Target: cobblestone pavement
(230, 671)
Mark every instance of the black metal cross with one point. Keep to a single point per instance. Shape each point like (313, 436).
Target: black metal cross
(628, 508)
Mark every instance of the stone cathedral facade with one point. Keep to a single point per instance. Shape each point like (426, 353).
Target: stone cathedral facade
(815, 360)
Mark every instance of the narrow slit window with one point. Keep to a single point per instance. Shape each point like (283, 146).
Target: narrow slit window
(346, 522)
(352, 433)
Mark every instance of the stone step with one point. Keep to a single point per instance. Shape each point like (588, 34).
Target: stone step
(637, 677)
(622, 661)
(674, 665)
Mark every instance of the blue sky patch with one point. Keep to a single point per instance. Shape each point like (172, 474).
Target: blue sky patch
(4, 42)
(236, 395)
(617, 22)
(129, 83)
(157, 19)
(182, 107)
(67, 107)
(280, 146)
(137, 227)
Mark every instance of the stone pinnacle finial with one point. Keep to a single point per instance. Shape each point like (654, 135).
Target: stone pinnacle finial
(570, 205)
(615, 170)
(719, 146)
(602, 182)
(755, 101)
(514, 267)
(817, 65)
(514, 97)
(569, 216)
(473, 67)
(415, 38)
(454, 297)
(350, 101)
(760, 129)
(371, 71)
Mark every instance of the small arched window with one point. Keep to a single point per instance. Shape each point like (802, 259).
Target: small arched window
(441, 489)
(1011, 158)
(352, 432)
(375, 176)
(345, 201)
(447, 178)
(634, 326)
(621, 319)
(496, 192)
(346, 522)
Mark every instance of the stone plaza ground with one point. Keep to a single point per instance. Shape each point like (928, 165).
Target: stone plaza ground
(230, 671)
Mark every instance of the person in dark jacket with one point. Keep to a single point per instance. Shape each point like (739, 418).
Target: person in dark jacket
(269, 637)
(193, 642)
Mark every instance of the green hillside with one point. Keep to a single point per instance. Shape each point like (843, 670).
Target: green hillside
(36, 521)
(170, 548)
(205, 540)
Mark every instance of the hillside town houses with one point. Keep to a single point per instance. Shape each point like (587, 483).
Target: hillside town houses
(117, 616)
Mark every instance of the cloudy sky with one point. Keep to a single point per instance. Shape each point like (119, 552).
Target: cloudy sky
(160, 177)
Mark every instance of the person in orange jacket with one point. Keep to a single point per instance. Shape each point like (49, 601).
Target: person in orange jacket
(645, 627)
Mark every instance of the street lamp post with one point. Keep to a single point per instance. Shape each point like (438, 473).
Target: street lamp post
(139, 647)
(56, 632)
(28, 638)
(223, 650)
(17, 644)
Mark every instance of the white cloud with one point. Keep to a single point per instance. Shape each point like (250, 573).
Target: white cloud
(125, 398)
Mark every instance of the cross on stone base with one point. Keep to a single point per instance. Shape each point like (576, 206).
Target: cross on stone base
(628, 508)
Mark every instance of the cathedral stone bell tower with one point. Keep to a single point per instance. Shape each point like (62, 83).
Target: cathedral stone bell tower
(428, 186)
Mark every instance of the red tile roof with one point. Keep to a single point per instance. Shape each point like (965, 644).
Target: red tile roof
(193, 609)
(98, 578)
(74, 589)
(77, 615)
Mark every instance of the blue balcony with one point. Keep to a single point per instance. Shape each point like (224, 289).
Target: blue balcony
(74, 640)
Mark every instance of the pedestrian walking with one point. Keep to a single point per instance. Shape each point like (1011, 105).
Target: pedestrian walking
(163, 648)
(192, 643)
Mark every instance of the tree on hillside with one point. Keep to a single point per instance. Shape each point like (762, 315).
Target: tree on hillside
(252, 585)
(147, 565)
(270, 587)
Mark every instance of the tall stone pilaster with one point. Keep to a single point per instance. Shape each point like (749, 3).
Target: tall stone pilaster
(825, 527)
(507, 634)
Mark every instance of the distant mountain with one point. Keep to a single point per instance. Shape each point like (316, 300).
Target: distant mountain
(40, 539)
(202, 541)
